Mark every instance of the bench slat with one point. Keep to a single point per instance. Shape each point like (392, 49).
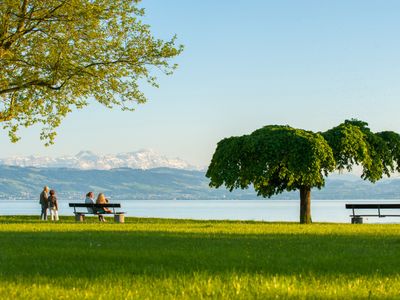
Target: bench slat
(381, 216)
(94, 205)
(373, 205)
(95, 213)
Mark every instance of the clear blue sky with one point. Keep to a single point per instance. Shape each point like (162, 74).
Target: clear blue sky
(246, 64)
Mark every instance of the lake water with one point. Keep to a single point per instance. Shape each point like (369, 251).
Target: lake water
(259, 210)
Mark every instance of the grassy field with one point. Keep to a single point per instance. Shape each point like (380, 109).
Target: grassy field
(182, 259)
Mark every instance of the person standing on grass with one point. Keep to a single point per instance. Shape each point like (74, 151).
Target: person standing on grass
(53, 205)
(44, 203)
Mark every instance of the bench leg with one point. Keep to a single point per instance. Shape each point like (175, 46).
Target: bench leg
(356, 220)
(79, 217)
(119, 218)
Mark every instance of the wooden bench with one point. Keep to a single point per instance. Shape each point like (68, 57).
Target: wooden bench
(119, 216)
(357, 218)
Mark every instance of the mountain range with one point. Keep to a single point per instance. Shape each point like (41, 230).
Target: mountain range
(87, 160)
(165, 183)
(122, 183)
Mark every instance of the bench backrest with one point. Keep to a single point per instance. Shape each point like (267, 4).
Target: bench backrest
(94, 205)
(373, 205)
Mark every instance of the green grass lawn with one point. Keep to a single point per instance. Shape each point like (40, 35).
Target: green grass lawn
(182, 259)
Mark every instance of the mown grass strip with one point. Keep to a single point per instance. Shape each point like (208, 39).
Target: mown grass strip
(184, 259)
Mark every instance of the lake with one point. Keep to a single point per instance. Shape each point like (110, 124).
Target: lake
(258, 210)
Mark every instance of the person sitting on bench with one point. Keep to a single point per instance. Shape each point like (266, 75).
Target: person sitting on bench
(101, 199)
(90, 200)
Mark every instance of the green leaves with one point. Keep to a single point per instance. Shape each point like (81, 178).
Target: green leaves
(354, 143)
(281, 158)
(391, 157)
(273, 159)
(349, 146)
(55, 55)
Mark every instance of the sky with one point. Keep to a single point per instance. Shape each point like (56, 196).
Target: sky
(247, 64)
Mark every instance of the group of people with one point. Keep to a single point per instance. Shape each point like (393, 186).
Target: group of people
(48, 201)
(101, 199)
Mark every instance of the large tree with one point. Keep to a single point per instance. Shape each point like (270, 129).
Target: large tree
(276, 158)
(56, 55)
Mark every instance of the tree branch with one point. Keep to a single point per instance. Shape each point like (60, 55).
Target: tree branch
(8, 115)
(23, 29)
(41, 83)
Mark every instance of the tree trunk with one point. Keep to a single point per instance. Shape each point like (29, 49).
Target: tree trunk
(305, 205)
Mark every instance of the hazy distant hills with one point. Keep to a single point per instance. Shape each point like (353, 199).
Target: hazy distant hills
(164, 183)
(86, 160)
(121, 183)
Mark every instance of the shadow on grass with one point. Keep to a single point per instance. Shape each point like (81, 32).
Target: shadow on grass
(94, 254)
(130, 220)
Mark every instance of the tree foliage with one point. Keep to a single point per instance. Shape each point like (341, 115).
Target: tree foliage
(273, 159)
(353, 143)
(349, 146)
(56, 55)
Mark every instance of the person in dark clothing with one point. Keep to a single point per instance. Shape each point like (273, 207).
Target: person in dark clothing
(44, 202)
(53, 205)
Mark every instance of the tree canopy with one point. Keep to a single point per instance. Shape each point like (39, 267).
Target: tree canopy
(353, 143)
(273, 159)
(56, 55)
(278, 158)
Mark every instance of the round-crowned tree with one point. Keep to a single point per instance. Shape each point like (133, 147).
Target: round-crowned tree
(276, 158)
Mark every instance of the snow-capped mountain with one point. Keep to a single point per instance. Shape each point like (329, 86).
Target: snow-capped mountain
(86, 160)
